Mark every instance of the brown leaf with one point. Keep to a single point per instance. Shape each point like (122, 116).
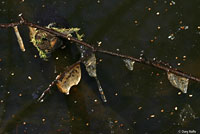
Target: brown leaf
(71, 77)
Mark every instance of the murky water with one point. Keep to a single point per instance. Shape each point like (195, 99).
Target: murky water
(138, 101)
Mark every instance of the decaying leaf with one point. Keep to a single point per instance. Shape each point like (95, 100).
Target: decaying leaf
(70, 78)
(90, 65)
(178, 82)
(46, 43)
(129, 64)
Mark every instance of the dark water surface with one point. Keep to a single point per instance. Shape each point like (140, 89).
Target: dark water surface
(141, 101)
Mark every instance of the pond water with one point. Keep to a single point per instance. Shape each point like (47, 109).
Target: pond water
(138, 101)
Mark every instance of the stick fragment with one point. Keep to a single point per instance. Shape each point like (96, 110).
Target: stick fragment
(40, 99)
(19, 38)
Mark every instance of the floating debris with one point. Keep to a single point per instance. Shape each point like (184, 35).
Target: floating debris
(20, 95)
(178, 82)
(157, 13)
(171, 36)
(71, 77)
(190, 95)
(172, 3)
(99, 43)
(152, 116)
(183, 28)
(87, 124)
(136, 22)
(29, 77)
(43, 120)
(129, 64)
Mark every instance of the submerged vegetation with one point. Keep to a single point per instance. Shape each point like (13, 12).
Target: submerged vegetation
(46, 43)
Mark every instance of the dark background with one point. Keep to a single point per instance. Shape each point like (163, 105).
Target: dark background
(130, 26)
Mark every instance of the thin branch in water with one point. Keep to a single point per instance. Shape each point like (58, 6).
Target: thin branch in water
(151, 63)
(19, 38)
(103, 97)
(40, 99)
(10, 25)
(143, 61)
(14, 23)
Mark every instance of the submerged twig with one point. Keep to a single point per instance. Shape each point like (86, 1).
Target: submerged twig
(48, 89)
(19, 38)
(103, 97)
